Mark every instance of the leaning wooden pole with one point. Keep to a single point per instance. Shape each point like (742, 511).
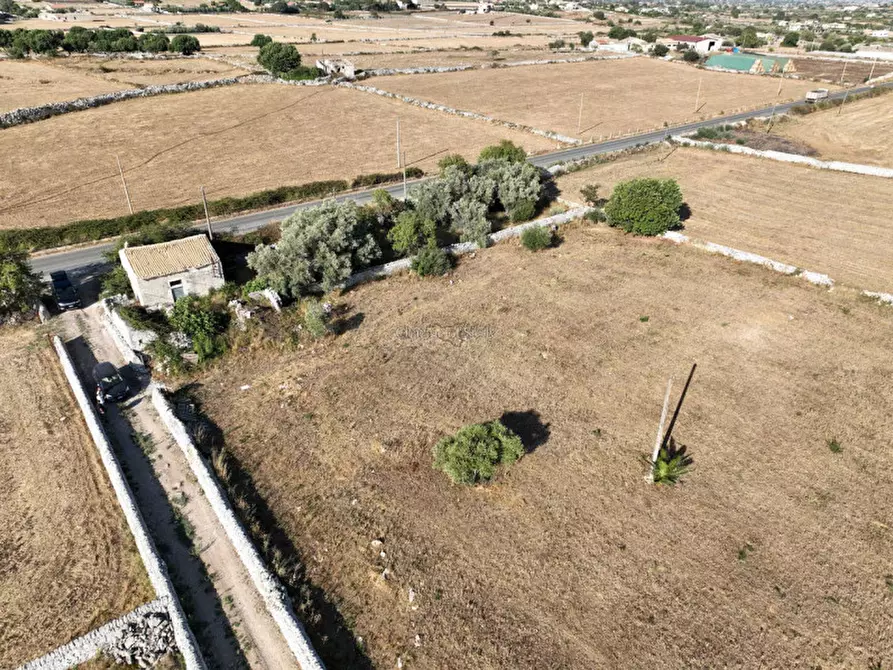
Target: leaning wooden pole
(660, 431)
(678, 407)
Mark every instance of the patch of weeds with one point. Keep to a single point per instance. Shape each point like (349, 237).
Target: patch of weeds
(671, 465)
(845, 310)
(308, 416)
(780, 592)
(744, 551)
(228, 601)
(597, 432)
(834, 446)
(145, 442)
(180, 499)
(438, 594)
(185, 528)
(888, 580)
(644, 319)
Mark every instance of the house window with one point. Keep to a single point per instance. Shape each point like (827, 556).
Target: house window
(177, 290)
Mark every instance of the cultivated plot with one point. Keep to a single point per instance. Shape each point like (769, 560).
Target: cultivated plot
(233, 140)
(860, 132)
(69, 562)
(29, 83)
(132, 73)
(824, 221)
(570, 559)
(618, 95)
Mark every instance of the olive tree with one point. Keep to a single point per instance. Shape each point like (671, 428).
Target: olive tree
(469, 216)
(645, 206)
(20, 288)
(322, 245)
(185, 44)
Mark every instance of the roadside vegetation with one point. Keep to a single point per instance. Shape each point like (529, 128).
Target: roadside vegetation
(21, 42)
(20, 288)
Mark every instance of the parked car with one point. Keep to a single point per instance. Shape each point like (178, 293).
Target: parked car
(109, 382)
(64, 291)
(816, 95)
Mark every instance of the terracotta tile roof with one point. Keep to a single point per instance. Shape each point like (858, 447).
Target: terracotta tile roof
(168, 258)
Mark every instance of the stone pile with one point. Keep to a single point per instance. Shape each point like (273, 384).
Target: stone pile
(143, 642)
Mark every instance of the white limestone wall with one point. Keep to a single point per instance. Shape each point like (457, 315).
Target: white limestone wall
(274, 595)
(152, 561)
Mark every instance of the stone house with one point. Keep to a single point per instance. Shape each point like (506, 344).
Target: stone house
(160, 274)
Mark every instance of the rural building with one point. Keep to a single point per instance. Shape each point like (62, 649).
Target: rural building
(701, 43)
(751, 63)
(337, 67)
(160, 274)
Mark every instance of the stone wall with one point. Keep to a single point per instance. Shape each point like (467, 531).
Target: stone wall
(82, 649)
(274, 595)
(839, 166)
(152, 561)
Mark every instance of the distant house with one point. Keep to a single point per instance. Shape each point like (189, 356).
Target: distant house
(701, 43)
(752, 63)
(161, 274)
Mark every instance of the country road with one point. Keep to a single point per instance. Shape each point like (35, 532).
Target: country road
(74, 259)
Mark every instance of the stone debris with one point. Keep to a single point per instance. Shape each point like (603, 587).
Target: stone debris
(143, 642)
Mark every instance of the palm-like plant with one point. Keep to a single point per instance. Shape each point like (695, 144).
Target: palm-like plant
(671, 464)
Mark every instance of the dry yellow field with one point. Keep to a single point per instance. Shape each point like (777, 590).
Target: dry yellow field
(132, 73)
(774, 552)
(32, 83)
(823, 221)
(619, 95)
(861, 133)
(67, 561)
(233, 140)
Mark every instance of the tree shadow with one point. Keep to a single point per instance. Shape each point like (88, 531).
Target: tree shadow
(528, 426)
(684, 212)
(330, 634)
(348, 323)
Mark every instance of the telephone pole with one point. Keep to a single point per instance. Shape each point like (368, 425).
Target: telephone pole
(843, 73)
(698, 98)
(871, 74)
(404, 176)
(398, 143)
(207, 216)
(580, 116)
(124, 183)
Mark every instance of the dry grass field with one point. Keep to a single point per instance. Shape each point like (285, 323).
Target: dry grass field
(619, 95)
(823, 221)
(861, 133)
(833, 71)
(773, 548)
(132, 73)
(32, 83)
(233, 140)
(67, 561)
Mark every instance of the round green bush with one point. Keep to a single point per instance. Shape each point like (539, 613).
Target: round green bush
(431, 262)
(523, 211)
(536, 238)
(473, 454)
(645, 206)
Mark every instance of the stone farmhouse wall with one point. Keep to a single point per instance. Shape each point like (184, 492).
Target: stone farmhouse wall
(152, 561)
(274, 595)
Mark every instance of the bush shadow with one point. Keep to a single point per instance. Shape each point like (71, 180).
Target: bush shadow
(529, 427)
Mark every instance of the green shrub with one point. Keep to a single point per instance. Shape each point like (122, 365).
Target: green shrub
(279, 58)
(141, 319)
(536, 238)
(454, 160)
(523, 211)
(431, 262)
(166, 356)
(505, 150)
(20, 288)
(260, 40)
(185, 44)
(645, 206)
(596, 216)
(208, 346)
(411, 232)
(691, 56)
(473, 454)
(591, 196)
(367, 180)
(316, 318)
(672, 463)
(116, 282)
(195, 317)
(660, 50)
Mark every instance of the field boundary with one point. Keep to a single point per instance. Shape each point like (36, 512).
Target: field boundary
(402, 264)
(85, 647)
(152, 561)
(417, 102)
(271, 590)
(435, 69)
(837, 166)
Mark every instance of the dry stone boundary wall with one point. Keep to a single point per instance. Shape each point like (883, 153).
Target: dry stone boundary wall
(82, 649)
(276, 599)
(152, 561)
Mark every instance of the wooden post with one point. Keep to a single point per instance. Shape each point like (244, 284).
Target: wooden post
(580, 116)
(698, 98)
(124, 183)
(660, 431)
(398, 143)
(404, 176)
(871, 74)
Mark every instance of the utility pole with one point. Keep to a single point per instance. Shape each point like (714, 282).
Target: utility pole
(843, 74)
(404, 176)
(580, 116)
(698, 98)
(871, 74)
(398, 143)
(124, 183)
(207, 216)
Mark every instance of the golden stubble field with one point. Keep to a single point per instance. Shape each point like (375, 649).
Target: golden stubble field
(773, 548)
(233, 140)
(824, 221)
(618, 95)
(31, 83)
(67, 560)
(861, 133)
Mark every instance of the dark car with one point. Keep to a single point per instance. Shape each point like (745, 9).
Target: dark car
(64, 291)
(109, 382)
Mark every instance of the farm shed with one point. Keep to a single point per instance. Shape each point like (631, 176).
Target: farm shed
(701, 43)
(161, 274)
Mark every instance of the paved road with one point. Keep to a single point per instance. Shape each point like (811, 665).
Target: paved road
(93, 255)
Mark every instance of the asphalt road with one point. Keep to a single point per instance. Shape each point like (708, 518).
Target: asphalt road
(77, 259)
